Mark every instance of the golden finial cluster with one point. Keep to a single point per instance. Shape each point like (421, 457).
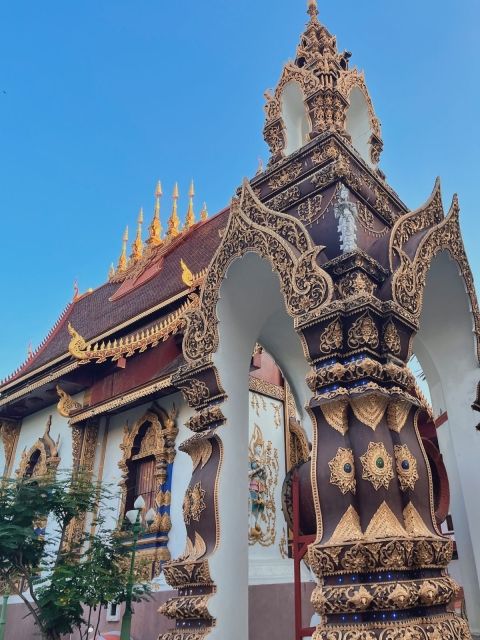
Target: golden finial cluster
(141, 250)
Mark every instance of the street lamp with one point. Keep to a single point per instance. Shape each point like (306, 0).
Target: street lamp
(135, 518)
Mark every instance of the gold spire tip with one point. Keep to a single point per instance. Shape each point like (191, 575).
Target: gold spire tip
(140, 216)
(204, 212)
(125, 234)
(176, 194)
(158, 190)
(191, 193)
(312, 8)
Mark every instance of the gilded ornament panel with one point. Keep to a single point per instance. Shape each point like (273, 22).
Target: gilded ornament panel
(363, 333)
(377, 465)
(342, 471)
(406, 466)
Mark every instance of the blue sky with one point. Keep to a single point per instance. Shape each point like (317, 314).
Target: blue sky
(100, 99)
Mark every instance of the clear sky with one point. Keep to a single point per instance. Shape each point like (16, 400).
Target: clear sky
(101, 98)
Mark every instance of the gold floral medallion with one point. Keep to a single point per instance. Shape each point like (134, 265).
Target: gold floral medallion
(406, 465)
(377, 465)
(342, 470)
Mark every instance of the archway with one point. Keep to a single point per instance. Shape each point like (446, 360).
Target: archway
(251, 308)
(445, 347)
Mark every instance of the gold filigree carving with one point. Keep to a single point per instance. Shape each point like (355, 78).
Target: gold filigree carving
(263, 480)
(414, 524)
(342, 470)
(406, 466)
(290, 173)
(203, 419)
(194, 391)
(377, 465)
(384, 524)
(299, 450)
(336, 414)
(194, 503)
(283, 545)
(279, 238)
(310, 211)
(355, 283)
(391, 339)
(363, 333)
(199, 449)
(369, 409)
(186, 607)
(331, 339)
(397, 414)
(348, 529)
(266, 388)
(66, 404)
(284, 199)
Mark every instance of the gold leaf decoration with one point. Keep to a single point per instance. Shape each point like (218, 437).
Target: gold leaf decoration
(369, 409)
(384, 524)
(391, 339)
(336, 414)
(397, 414)
(348, 529)
(363, 333)
(414, 523)
(331, 339)
(377, 465)
(342, 468)
(406, 465)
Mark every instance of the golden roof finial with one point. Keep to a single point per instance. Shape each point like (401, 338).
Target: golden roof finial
(75, 289)
(122, 262)
(190, 219)
(111, 272)
(137, 246)
(312, 8)
(187, 275)
(155, 228)
(204, 212)
(29, 350)
(174, 221)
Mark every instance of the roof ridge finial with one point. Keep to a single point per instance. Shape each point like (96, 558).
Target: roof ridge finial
(122, 262)
(312, 9)
(174, 222)
(204, 212)
(190, 219)
(155, 228)
(137, 246)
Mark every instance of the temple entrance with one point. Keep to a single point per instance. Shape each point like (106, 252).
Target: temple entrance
(251, 310)
(445, 347)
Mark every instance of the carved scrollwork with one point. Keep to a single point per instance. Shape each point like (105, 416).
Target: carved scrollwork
(42, 458)
(363, 333)
(283, 241)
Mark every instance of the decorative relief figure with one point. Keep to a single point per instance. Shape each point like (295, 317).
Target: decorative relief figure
(194, 503)
(331, 339)
(406, 465)
(346, 213)
(342, 469)
(377, 465)
(363, 333)
(391, 339)
(263, 479)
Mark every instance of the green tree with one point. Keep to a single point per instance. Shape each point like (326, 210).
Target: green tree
(68, 581)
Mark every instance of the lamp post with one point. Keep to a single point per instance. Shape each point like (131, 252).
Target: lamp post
(135, 518)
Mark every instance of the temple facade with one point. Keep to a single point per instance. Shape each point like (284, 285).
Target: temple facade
(229, 355)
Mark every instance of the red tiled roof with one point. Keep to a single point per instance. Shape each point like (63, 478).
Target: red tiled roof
(96, 313)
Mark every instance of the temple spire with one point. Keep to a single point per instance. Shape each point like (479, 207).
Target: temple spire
(122, 262)
(204, 212)
(312, 8)
(190, 219)
(174, 221)
(155, 228)
(137, 246)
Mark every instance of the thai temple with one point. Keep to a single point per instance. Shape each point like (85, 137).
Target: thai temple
(249, 375)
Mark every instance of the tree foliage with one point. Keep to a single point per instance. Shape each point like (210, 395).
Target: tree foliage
(64, 581)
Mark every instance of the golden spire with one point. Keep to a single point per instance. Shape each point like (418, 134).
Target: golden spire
(122, 262)
(204, 212)
(190, 219)
(111, 272)
(137, 246)
(174, 222)
(312, 9)
(155, 228)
